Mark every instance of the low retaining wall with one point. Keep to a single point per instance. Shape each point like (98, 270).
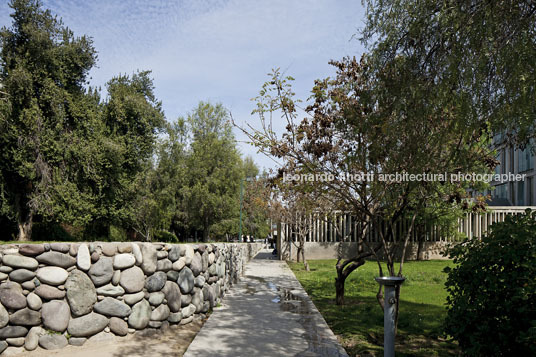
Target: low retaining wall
(328, 250)
(55, 294)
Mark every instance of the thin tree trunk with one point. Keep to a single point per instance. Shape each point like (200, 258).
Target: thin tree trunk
(25, 220)
(25, 227)
(339, 288)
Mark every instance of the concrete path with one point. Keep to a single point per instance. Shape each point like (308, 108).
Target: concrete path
(266, 314)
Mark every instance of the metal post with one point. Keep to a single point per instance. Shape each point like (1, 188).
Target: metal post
(241, 203)
(389, 312)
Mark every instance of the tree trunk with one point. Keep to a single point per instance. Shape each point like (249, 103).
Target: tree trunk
(305, 264)
(339, 289)
(298, 254)
(25, 220)
(25, 227)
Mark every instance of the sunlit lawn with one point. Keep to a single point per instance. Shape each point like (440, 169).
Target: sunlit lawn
(359, 324)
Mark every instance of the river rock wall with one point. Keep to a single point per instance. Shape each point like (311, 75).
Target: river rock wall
(55, 294)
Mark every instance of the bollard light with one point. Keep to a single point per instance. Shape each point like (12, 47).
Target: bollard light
(389, 312)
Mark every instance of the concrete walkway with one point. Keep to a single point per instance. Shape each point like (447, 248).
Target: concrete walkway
(266, 314)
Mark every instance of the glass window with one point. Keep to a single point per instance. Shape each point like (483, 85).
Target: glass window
(530, 190)
(498, 167)
(521, 193)
(500, 191)
(525, 159)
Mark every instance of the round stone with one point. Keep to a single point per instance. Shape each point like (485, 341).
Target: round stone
(110, 290)
(204, 261)
(34, 301)
(87, 325)
(131, 299)
(25, 317)
(77, 341)
(112, 307)
(109, 249)
(179, 264)
(186, 280)
(189, 251)
(83, 258)
(173, 296)
(21, 275)
(16, 341)
(198, 299)
(156, 298)
(174, 253)
(31, 249)
(199, 281)
(186, 299)
(56, 315)
(48, 292)
(175, 317)
(52, 342)
(173, 275)
(124, 248)
(161, 313)
(81, 293)
(56, 259)
(148, 252)
(32, 339)
(197, 264)
(19, 261)
(60, 247)
(102, 271)
(156, 281)
(137, 253)
(140, 315)
(164, 265)
(13, 331)
(116, 277)
(4, 316)
(188, 311)
(52, 275)
(124, 261)
(132, 280)
(118, 326)
(11, 296)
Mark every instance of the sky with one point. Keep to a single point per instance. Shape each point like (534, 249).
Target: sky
(219, 51)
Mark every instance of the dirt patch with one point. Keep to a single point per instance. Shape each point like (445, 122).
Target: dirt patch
(155, 343)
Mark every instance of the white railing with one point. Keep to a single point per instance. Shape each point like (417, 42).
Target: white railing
(326, 228)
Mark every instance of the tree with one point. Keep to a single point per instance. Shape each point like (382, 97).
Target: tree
(482, 52)
(366, 124)
(214, 168)
(132, 117)
(45, 113)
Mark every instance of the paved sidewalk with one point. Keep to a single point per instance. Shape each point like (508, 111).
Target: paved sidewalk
(266, 314)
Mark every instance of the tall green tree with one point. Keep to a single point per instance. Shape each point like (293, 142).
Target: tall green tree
(132, 119)
(45, 111)
(214, 168)
(480, 52)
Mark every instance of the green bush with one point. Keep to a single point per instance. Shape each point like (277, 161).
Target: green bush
(165, 236)
(54, 232)
(492, 290)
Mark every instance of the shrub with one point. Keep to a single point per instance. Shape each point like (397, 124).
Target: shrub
(492, 290)
(165, 236)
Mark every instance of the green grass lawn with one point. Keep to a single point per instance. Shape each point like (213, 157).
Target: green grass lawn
(359, 323)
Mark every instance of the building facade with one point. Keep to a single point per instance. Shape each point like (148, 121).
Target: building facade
(517, 193)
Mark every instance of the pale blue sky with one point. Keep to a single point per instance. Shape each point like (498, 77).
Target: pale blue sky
(213, 50)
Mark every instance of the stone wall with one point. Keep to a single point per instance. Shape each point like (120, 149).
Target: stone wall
(55, 294)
